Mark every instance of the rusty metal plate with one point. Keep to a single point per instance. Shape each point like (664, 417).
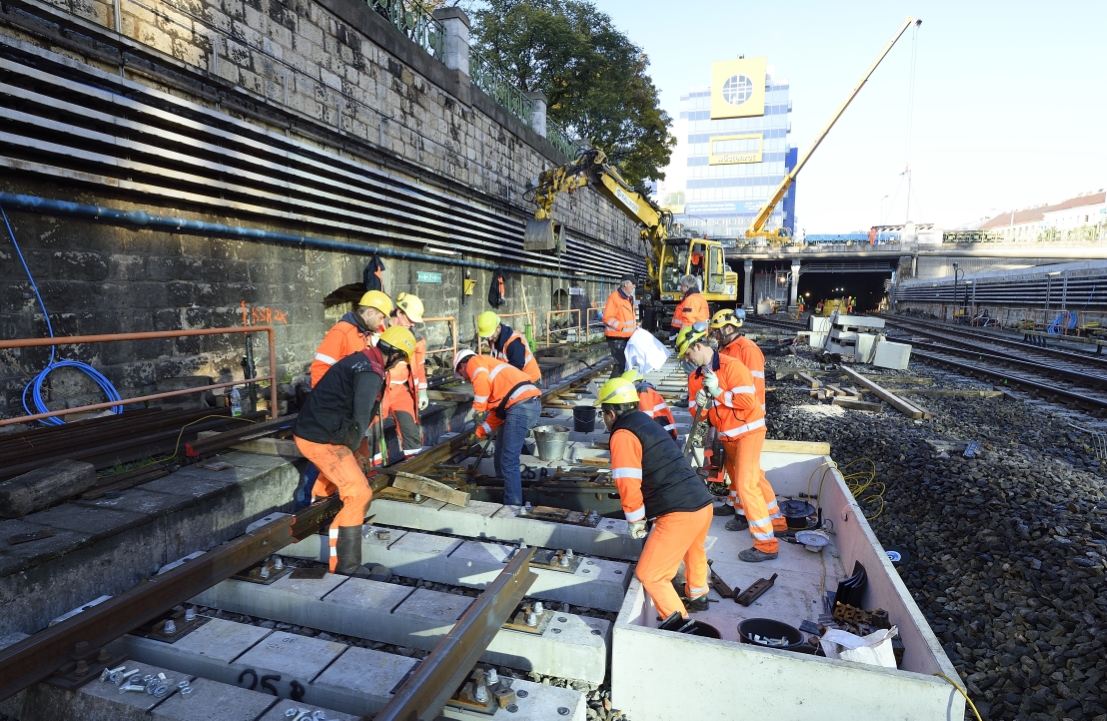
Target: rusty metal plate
(264, 573)
(553, 560)
(518, 622)
(156, 629)
(590, 519)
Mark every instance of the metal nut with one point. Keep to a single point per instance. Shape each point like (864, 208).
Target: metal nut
(183, 684)
(186, 692)
(161, 691)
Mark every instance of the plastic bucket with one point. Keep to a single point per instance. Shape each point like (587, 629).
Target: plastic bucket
(551, 441)
(770, 629)
(705, 629)
(584, 419)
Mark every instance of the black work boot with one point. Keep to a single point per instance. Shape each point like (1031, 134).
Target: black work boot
(723, 510)
(696, 605)
(348, 550)
(738, 523)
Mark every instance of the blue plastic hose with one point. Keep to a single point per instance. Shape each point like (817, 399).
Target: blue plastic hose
(35, 385)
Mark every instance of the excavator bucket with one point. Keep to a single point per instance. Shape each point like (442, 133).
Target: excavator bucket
(542, 235)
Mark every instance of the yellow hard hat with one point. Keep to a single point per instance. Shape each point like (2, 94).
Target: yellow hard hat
(724, 318)
(378, 300)
(411, 306)
(400, 338)
(634, 375)
(486, 323)
(616, 391)
(688, 335)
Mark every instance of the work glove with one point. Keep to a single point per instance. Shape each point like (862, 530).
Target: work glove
(424, 401)
(702, 398)
(711, 383)
(637, 529)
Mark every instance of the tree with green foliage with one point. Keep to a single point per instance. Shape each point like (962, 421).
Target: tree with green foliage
(593, 76)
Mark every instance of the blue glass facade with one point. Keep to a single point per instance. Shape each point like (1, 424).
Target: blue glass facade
(721, 199)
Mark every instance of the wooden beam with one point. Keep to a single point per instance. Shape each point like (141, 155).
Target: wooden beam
(427, 487)
(967, 393)
(905, 407)
(811, 447)
(858, 405)
(811, 382)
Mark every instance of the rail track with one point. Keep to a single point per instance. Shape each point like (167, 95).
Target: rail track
(77, 650)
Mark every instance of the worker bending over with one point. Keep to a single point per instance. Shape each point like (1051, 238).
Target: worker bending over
(508, 345)
(406, 393)
(620, 322)
(503, 398)
(331, 426)
(651, 403)
(723, 387)
(655, 482)
(353, 332)
(691, 309)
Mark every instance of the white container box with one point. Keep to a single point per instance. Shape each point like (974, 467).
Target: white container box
(892, 355)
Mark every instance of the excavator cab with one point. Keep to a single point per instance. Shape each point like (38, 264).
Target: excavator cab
(702, 258)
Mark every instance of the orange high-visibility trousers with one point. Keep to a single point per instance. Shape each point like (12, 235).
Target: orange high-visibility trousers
(401, 408)
(743, 463)
(767, 492)
(676, 537)
(338, 470)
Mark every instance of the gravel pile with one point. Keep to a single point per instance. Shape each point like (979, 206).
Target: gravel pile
(1006, 552)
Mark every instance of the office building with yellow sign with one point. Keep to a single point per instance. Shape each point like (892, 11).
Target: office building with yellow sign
(735, 148)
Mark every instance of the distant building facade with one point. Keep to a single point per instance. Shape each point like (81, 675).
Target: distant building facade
(1081, 218)
(733, 151)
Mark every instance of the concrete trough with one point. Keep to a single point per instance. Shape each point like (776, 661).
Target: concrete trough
(572, 646)
(325, 674)
(652, 670)
(596, 583)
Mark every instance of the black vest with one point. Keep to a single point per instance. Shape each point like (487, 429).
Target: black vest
(669, 483)
(328, 415)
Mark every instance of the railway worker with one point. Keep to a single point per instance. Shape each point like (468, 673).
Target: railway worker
(330, 428)
(353, 332)
(724, 327)
(691, 309)
(504, 398)
(655, 482)
(406, 393)
(724, 387)
(651, 403)
(620, 322)
(508, 345)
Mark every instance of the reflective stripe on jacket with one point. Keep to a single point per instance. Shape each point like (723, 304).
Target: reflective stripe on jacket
(753, 359)
(736, 410)
(650, 471)
(344, 337)
(653, 405)
(690, 310)
(619, 320)
(495, 382)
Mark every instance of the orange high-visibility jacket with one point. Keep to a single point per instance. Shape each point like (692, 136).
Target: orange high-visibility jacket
(496, 384)
(530, 366)
(414, 376)
(690, 310)
(618, 316)
(753, 359)
(344, 338)
(736, 410)
(653, 405)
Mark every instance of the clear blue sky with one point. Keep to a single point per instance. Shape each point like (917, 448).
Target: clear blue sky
(1010, 97)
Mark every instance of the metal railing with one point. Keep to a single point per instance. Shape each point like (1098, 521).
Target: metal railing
(566, 330)
(414, 19)
(593, 322)
(452, 321)
(488, 78)
(117, 337)
(560, 139)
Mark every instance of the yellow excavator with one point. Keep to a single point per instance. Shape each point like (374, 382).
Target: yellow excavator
(671, 255)
(779, 236)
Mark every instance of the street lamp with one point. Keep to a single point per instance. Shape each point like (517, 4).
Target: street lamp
(956, 302)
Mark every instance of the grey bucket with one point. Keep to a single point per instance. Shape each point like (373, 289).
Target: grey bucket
(551, 441)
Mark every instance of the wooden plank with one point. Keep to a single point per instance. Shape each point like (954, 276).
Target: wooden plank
(908, 409)
(810, 381)
(43, 487)
(858, 405)
(428, 487)
(599, 462)
(779, 446)
(967, 393)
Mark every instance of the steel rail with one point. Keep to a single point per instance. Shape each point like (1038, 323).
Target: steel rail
(1091, 381)
(440, 674)
(1081, 399)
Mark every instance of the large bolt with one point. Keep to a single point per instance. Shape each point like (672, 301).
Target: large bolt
(491, 677)
(278, 564)
(190, 614)
(82, 668)
(170, 627)
(538, 607)
(532, 619)
(481, 694)
(264, 572)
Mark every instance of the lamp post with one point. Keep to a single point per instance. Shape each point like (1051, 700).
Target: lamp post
(956, 287)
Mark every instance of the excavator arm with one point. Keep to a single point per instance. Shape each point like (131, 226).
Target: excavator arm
(757, 226)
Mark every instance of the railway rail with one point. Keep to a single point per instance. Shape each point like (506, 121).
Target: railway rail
(78, 649)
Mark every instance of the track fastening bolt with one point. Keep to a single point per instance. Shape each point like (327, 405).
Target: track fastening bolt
(169, 628)
(190, 614)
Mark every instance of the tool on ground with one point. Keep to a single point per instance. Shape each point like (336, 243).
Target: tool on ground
(755, 591)
(720, 585)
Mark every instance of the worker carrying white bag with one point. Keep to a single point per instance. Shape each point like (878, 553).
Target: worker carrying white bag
(645, 352)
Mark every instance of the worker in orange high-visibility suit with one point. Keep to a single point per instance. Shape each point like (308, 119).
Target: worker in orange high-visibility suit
(655, 482)
(354, 332)
(331, 426)
(724, 387)
(504, 398)
(650, 401)
(725, 329)
(691, 309)
(620, 322)
(406, 393)
(508, 345)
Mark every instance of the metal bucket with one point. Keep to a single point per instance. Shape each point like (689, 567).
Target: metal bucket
(551, 441)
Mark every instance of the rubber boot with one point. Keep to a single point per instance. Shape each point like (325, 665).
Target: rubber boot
(348, 550)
